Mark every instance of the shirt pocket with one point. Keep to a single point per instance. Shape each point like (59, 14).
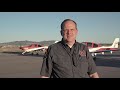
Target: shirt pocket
(82, 58)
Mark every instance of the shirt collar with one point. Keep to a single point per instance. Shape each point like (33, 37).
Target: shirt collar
(64, 43)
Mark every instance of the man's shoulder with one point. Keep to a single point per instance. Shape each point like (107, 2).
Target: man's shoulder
(80, 44)
(52, 46)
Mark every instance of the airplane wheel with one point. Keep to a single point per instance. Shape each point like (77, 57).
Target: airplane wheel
(111, 52)
(34, 52)
(103, 53)
(94, 58)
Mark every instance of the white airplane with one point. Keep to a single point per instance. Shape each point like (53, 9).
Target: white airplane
(34, 48)
(97, 48)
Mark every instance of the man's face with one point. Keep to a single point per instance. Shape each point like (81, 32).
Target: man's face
(69, 31)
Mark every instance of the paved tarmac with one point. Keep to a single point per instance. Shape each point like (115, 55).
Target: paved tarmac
(19, 66)
(108, 65)
(15, 65)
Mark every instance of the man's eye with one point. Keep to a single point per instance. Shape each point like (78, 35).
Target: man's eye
(65, 30)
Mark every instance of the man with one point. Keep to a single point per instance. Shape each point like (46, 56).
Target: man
(68, 58)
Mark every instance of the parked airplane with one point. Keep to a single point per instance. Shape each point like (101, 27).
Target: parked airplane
(97, 48)
(34, 48)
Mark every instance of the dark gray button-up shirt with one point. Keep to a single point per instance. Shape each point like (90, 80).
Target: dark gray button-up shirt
(60, 61)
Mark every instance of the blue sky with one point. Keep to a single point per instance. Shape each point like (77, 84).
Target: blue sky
(99, 27)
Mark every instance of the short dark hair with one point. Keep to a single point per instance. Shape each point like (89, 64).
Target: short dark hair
(63, 23)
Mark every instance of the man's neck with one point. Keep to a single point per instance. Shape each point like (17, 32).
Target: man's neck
(70, 44)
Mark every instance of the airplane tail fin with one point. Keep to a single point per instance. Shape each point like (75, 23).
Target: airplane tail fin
(115, 43)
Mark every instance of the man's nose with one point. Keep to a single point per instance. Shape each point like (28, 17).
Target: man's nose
(69, 31)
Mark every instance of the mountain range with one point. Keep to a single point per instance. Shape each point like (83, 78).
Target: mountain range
(26, 42)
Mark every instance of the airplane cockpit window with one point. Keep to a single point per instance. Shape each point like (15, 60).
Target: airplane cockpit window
(89, 44)
(35, 45)
(95, 45)
(39, 45)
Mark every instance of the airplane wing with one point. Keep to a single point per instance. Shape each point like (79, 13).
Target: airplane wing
(106, 50)
(103, 51)
(35, 49)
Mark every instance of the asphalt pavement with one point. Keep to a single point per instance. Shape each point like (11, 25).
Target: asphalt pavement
(15, 65)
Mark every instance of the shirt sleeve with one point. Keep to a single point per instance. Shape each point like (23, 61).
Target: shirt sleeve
(91, 63)
(46, 68)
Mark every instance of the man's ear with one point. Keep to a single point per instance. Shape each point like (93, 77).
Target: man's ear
(77, 31)
(61, 33)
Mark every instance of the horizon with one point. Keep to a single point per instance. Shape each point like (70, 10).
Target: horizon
(47, 41)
